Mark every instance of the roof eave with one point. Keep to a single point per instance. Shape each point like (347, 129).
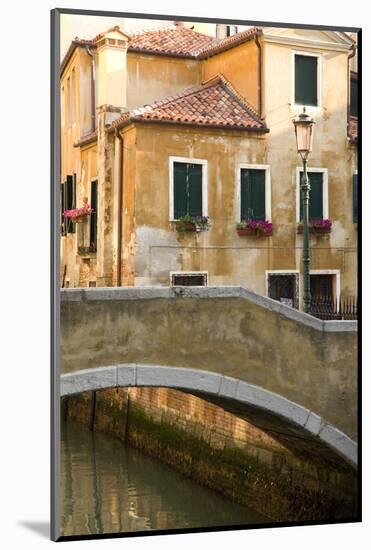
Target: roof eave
(261, 130)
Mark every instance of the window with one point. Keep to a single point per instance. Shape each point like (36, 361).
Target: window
(69, 201)
(315, 196)
(254, 192)
(354, 94)
(306, 80)
(193, 278)
(188, 187)
(94, 215)
(355, 198)
(318, 197)
(322, 285)
(231, 30)
(284, 287)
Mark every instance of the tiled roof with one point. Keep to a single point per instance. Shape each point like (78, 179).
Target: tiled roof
(353, 128)
(214, 104)
(174, 41)
(184, 42)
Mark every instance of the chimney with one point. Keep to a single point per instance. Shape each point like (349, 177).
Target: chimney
(112, 67)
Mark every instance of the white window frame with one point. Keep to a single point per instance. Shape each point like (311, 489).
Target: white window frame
(298, 107)
(268, 189)
(335, 272)
(185, 273)
(324, 171)
(283, 272)
(188, 160)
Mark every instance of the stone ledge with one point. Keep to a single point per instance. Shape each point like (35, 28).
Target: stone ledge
(150, 293)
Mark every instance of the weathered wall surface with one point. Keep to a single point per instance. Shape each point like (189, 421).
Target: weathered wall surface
(240, 66)
(221, 451)
(232, 336)
(331, 151)
(151, 77)
(228, 258)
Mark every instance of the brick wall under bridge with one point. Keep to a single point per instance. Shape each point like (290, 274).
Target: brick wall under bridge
(280, 368)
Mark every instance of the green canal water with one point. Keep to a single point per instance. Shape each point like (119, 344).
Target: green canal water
(109, 487)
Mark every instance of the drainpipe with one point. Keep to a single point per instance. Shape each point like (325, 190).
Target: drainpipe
(92, 81)
(120, 205)
(260, 109)
(352, 54)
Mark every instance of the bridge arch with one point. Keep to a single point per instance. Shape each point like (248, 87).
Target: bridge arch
(233, 394)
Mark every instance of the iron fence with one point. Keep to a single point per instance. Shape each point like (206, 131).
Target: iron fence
(328, 308)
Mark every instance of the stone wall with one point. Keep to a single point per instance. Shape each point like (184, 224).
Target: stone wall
(221, 451)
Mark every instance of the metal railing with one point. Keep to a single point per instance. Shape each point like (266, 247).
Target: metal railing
(328, 308)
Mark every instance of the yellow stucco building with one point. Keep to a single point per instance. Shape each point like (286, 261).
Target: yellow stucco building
(173, 124)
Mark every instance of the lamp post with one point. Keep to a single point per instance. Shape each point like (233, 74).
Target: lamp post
(304, 140)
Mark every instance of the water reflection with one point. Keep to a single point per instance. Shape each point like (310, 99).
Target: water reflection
(107, 487)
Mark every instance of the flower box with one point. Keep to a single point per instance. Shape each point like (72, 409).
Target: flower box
(79, 215)
(320, 227)
(192, 224)
(189, 226)
(246, 231)
(255, 229)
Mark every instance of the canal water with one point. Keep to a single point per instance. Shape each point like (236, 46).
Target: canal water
(109, 487)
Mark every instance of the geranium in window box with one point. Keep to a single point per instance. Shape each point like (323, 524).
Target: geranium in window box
(319, 226)
(192, 223)
(255, 228)
(79, 215)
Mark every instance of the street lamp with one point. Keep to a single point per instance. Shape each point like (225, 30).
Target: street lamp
(304, 140)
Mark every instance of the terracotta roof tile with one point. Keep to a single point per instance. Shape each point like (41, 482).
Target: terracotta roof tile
(174, 40)
(353, 128)
(213, 104)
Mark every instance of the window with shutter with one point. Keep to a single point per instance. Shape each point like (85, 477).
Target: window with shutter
(355, 198)
(315, 196)
(253, 194)
(306, 80)
(94, 215)
(187, 189)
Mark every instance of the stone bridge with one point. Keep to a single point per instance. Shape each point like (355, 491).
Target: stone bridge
(285, 371)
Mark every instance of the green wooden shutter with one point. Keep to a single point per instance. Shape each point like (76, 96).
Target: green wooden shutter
(69, 202)
(315, 196)
(355, 198)
(73, 201)
(180, 190)
(194, 189)
(306, 80)
(94, 215)
(252, 194)
(257, 194)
